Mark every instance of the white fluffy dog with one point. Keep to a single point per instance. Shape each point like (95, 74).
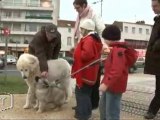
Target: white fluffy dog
(58, 70)
(48, 95)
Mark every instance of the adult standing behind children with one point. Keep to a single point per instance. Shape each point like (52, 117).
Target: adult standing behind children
(87, 50)
(152, 61)
(114, 82)
(46, 45)
(86, 12)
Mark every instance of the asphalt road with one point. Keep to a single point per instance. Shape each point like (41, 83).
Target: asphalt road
(10, 70)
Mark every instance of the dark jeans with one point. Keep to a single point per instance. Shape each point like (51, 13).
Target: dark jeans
(95, 92)
(155, 103)
(84, 107)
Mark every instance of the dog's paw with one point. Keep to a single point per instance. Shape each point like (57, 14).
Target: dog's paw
(58, 108)
(67, 100)
(35, 107)
(26, 106)
(40, 111)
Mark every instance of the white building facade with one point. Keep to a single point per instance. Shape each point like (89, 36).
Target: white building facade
(136, 34)
(24, 18)
(66, 28)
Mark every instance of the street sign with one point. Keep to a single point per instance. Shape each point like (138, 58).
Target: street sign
(6, 31)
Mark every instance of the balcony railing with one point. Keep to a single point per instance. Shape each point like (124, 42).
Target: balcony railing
(38, 17)
(28, 19)
(25, 4)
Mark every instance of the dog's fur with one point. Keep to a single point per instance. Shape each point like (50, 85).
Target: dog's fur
(59, 71)
(49, 95)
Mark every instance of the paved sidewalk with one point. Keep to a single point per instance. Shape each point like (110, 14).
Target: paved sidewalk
(134, 104)
(66, 113)
(136, 101)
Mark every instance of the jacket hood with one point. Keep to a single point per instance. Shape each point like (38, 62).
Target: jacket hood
(97, 38)
(130, 53)
(119, 44)
(94, 35)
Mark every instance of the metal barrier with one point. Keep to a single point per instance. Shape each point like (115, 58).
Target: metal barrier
(136, 101)
(5, 72)
(8, 70)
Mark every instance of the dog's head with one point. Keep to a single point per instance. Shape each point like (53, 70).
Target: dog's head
(28, 65)
(41, 82)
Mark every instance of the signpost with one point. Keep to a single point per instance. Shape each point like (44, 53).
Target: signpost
(6, 33)
(101, 1)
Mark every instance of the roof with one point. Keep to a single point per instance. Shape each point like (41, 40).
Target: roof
(66, 23)
(136, 23)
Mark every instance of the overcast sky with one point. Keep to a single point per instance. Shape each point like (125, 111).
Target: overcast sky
(113, 10)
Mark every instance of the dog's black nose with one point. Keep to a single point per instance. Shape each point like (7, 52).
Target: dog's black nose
(37, 78)
(24, 77)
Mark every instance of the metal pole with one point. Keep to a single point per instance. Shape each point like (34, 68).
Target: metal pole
(16, 49)
(0, 20)
(1, 34)
(100, 1)
(101, 8)
(6, 52)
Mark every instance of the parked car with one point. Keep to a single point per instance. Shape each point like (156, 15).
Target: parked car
(139, 63)
(11, 59)
(2, 63)
(69, 59)
(133, 68)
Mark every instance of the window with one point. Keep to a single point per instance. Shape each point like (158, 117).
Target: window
(39, 15)
(147, 31)
(27, 38)
(45, 3)
(15, 39)
(7, 14)
(34, 2)
(69, 41)
(16, 14)
(140, 30)
(16, 27)
(69, 28)
(17, 2)
(126, 29)
(8, 2)
(133, 30)
(8, 25)
(26, 42)
(31, 27)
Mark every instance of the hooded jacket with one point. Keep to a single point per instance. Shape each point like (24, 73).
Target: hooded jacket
(44, 50)
(120, 59)
(88, 50)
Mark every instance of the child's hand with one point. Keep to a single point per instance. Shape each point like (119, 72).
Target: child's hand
(71, 51)
(106, 50)
(103, 87)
